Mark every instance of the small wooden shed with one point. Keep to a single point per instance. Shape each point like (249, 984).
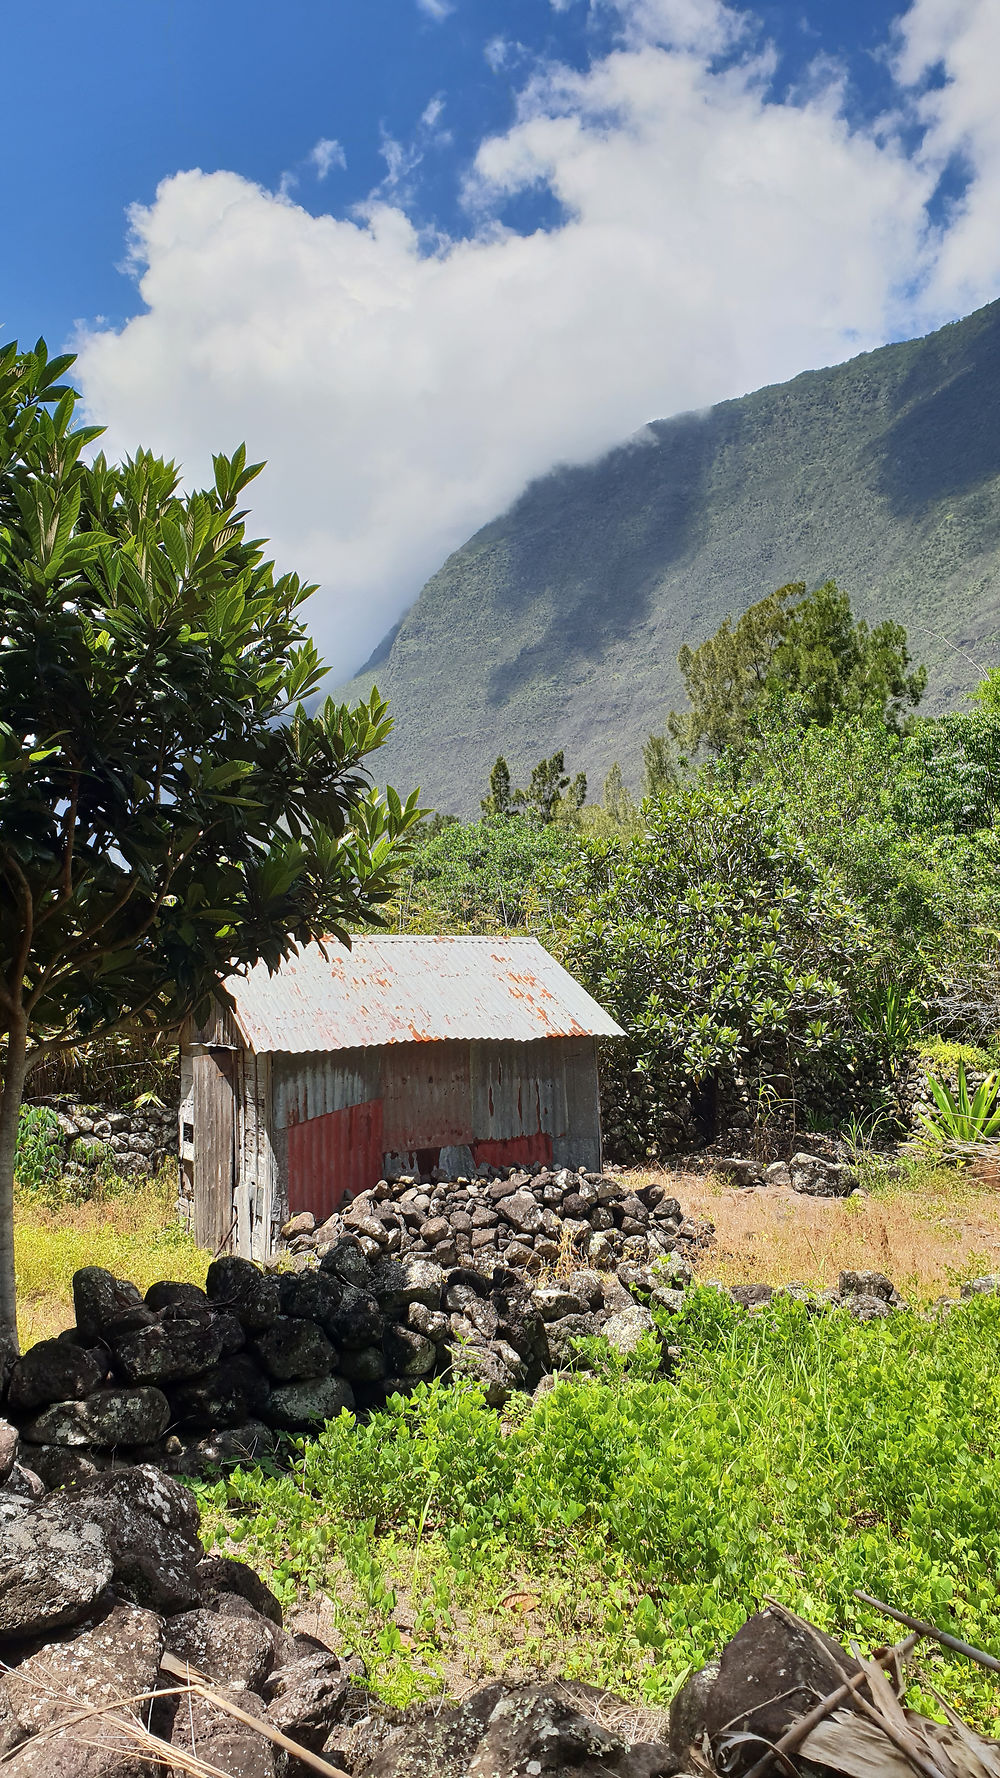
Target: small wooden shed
(402, 1054)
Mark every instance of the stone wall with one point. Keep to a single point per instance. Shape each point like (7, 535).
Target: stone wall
(134, 1143)
(387, 1294)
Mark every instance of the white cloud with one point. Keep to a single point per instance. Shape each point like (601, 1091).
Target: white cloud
(326, 154)
(436, 9)
(404, 389)
(961, 40)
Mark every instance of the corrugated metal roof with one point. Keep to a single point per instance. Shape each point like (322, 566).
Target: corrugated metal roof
(413, 990)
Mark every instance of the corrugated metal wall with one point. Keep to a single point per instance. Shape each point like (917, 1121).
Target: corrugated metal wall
(338, 1116)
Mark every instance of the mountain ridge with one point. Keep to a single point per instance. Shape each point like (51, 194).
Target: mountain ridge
(558, 623)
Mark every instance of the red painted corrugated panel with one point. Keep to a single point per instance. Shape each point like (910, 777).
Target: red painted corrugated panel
(515, 1151)
(332, 1155)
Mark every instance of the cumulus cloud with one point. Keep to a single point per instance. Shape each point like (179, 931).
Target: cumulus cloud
(404, 387)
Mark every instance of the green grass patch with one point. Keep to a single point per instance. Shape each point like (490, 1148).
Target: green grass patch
(127, 1225)
(622, 1527)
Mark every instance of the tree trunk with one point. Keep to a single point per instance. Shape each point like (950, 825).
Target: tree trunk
(15, 1068)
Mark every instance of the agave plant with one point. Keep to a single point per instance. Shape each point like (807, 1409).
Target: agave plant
(958, 1119)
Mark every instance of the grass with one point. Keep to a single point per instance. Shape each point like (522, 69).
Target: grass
(129, 1227)
(930, 1229)
(620, 1528)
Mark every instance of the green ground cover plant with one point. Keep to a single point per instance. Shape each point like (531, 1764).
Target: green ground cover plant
(622, 1526)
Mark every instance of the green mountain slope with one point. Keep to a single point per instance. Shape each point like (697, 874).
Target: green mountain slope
(558, 624)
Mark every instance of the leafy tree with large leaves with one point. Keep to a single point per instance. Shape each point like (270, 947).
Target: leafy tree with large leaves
(802, 648)
(169, 814)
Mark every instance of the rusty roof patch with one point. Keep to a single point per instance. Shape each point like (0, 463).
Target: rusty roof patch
(413, 990)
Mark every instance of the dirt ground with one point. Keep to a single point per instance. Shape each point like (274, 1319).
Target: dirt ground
(929, 1231)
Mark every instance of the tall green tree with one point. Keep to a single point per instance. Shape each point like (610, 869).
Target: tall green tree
(797, 646)
(550, 796)
(502, 798)
(169, 814)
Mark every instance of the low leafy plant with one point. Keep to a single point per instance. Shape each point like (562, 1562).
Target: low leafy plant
(39, 1158)
(621, 1527)
(960, 1118)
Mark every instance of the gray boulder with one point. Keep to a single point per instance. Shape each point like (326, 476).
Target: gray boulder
(867, 1284)
(503, 1732)
(60, 1466)
(54, 1567)
(299, 1406)
(227, 1396)
(231, 1447)
(624, 1330)
(554, 1302)
(221, 1574)
(358, 1321)
(9, 1446)
(99, 1297)
(820, 1179)
(108, 1418)
(51, 1371)
(168, 1351)
(564, 1333)
(307, 1698)
(366, 1365)
(239, 1286)
(166, 1294)
(118, 1657)
(232, 1650)
(409, 1354)
(150, 1526)
(294, 1349)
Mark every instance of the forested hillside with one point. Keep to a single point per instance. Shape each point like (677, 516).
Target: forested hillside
(558, 625)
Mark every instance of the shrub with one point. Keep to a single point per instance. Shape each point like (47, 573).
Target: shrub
(39, 1158)
(960, 1118)
(730, 955)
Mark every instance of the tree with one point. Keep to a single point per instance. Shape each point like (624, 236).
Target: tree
(660, 765)
(550, 795)
(806, 647)
(169, 814)
(729, 953)
(502, 800)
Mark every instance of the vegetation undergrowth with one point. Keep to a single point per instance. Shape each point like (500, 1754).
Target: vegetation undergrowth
(621, 1527)
(128, 1226)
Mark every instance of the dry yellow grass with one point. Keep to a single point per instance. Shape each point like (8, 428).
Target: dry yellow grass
(134, 1234)
(928, 1231)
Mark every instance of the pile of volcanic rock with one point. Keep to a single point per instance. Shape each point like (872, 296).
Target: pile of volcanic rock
(525, 1218)
(97, 1585)
(191, 1379)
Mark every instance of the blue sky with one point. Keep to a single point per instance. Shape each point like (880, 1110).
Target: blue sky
(416, 251)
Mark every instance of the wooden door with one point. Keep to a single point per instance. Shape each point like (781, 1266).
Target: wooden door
(214, 1149)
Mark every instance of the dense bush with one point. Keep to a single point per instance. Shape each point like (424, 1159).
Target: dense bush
(794, 1455)
(728, 952)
